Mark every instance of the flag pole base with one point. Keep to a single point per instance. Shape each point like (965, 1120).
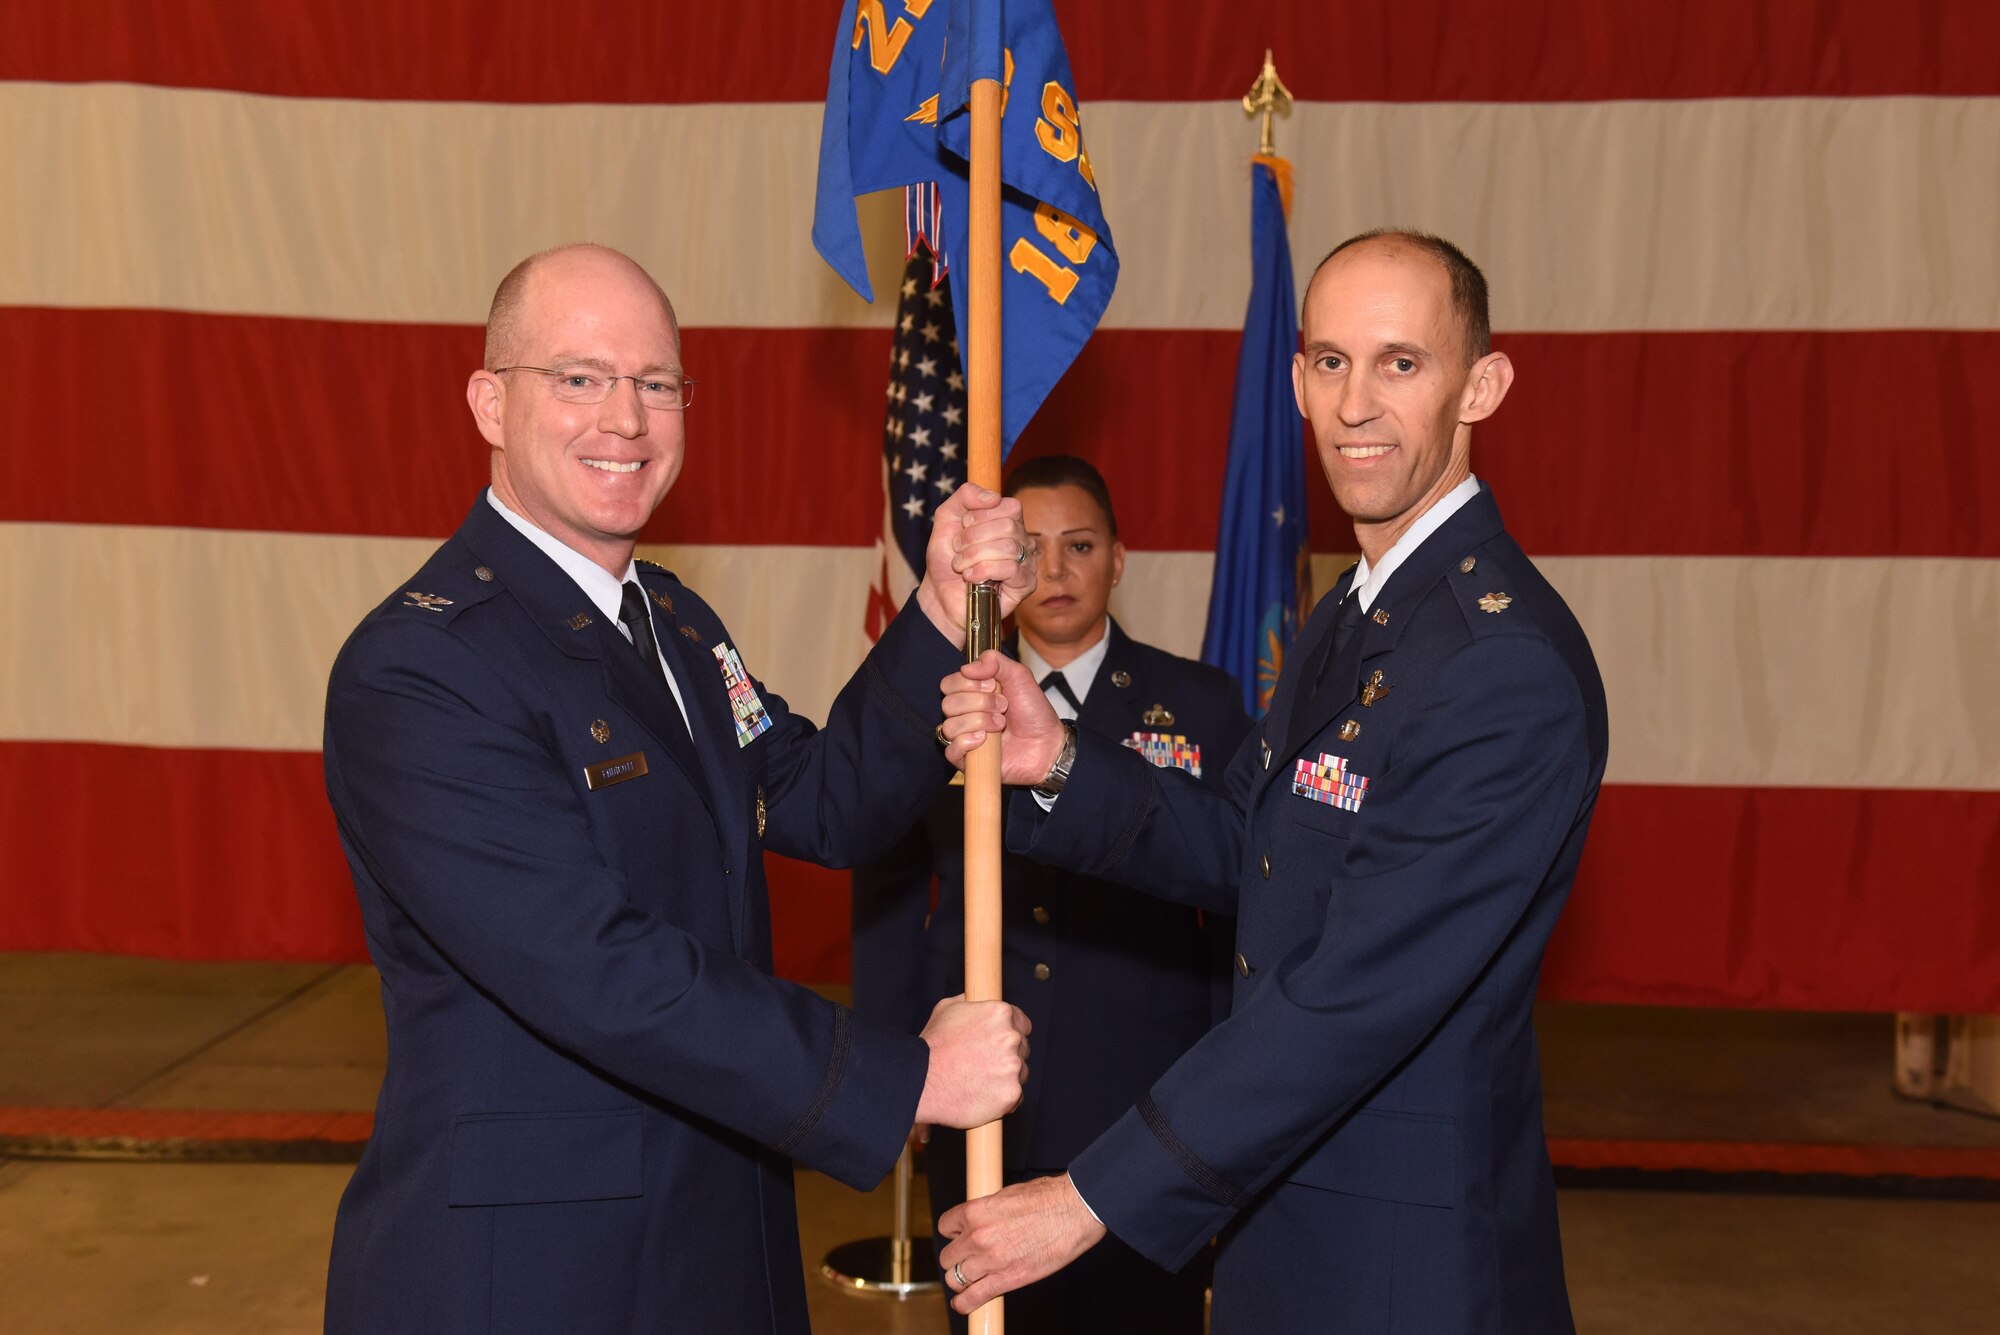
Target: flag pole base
(884, 1267)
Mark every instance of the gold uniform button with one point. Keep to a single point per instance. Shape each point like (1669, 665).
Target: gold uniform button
(1242, 965)
(1468, 565)
(1041, 915)
(1041, 973)
(1267, 866)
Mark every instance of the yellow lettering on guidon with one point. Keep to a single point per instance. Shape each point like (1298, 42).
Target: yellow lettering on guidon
(1028, 258)
(885, 40)
(1070, 237)
(1057, 129)
(1060, 133)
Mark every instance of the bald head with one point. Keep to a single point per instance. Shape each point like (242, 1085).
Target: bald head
(514, 301)
(1468, 284)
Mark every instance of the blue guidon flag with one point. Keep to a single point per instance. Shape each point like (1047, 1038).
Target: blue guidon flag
(1263, 572)
(898, 113)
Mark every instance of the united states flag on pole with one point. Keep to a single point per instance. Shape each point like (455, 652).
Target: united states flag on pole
(923, 435)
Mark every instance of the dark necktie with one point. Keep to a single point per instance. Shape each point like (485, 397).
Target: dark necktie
(639, 625)
(1056, 682)
(1327, 688)
(1345, 622)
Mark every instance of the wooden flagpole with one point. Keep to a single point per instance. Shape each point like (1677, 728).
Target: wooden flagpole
(982, 771)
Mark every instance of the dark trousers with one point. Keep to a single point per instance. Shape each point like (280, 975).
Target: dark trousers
(1107, 1290)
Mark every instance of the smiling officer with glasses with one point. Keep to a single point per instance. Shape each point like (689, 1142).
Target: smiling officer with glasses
(555, 780)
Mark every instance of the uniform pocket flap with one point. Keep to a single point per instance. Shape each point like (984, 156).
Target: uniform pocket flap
(1405, 1157)
(534, 1158)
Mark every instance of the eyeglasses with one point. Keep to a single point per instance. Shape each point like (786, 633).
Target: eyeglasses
(660, 392)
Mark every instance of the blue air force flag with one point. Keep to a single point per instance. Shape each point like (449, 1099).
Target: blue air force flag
(898, 114)
(1263, 578)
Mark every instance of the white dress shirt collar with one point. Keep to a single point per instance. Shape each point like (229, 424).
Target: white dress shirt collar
(602, 588)
(1370, 579)
(598, 584)
(1079, 672)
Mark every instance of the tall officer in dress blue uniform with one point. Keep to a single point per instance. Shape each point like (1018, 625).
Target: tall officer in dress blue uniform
(554, 780)
(1117, 983)
(1365, 1130)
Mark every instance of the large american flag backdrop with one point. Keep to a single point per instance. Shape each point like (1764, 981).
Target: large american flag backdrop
(1745, 258)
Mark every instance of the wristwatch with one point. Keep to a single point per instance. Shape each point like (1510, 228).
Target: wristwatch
(1058, 774)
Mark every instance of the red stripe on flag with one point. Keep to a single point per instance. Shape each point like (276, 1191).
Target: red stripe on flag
(1794, 898)
(217, 854)
(319, 426)
(1788, 898)
(633, 52)
(1783, 443)
(182, 854)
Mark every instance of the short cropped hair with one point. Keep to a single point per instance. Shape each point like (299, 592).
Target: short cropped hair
(1062, 470)
(503, 318)
(1468, 285)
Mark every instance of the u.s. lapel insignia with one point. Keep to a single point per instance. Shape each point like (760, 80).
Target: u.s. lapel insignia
(1495, 602)
(1349, 730)
(1329, 780)
(1159, 716)
(664, 601)
(600, 731)
(430, 602)
(745, 708)
(1374, 690)
(1167, 750)
(762, 812)
(1381, 617)
(691, 633)
(1121, 679)
(579, 621)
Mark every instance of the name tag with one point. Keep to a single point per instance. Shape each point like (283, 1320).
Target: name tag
(605, 773)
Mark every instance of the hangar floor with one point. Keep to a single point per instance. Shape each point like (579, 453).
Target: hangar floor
(220, 1248)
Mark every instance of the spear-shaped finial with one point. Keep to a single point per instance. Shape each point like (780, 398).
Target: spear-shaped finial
(1268, 96)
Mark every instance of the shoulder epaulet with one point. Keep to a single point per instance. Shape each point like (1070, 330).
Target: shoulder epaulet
(444, 590)
(651, 564)
(1480, 585)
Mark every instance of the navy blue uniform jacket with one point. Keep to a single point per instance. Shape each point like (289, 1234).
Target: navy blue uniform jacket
(595, 1088)
(1128, 981)
(1367, 1123)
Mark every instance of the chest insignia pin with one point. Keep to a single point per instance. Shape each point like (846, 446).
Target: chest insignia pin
(600, 731)
(1374, 690)
(1159, 716)
(1121, 679)
(1349, 730)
